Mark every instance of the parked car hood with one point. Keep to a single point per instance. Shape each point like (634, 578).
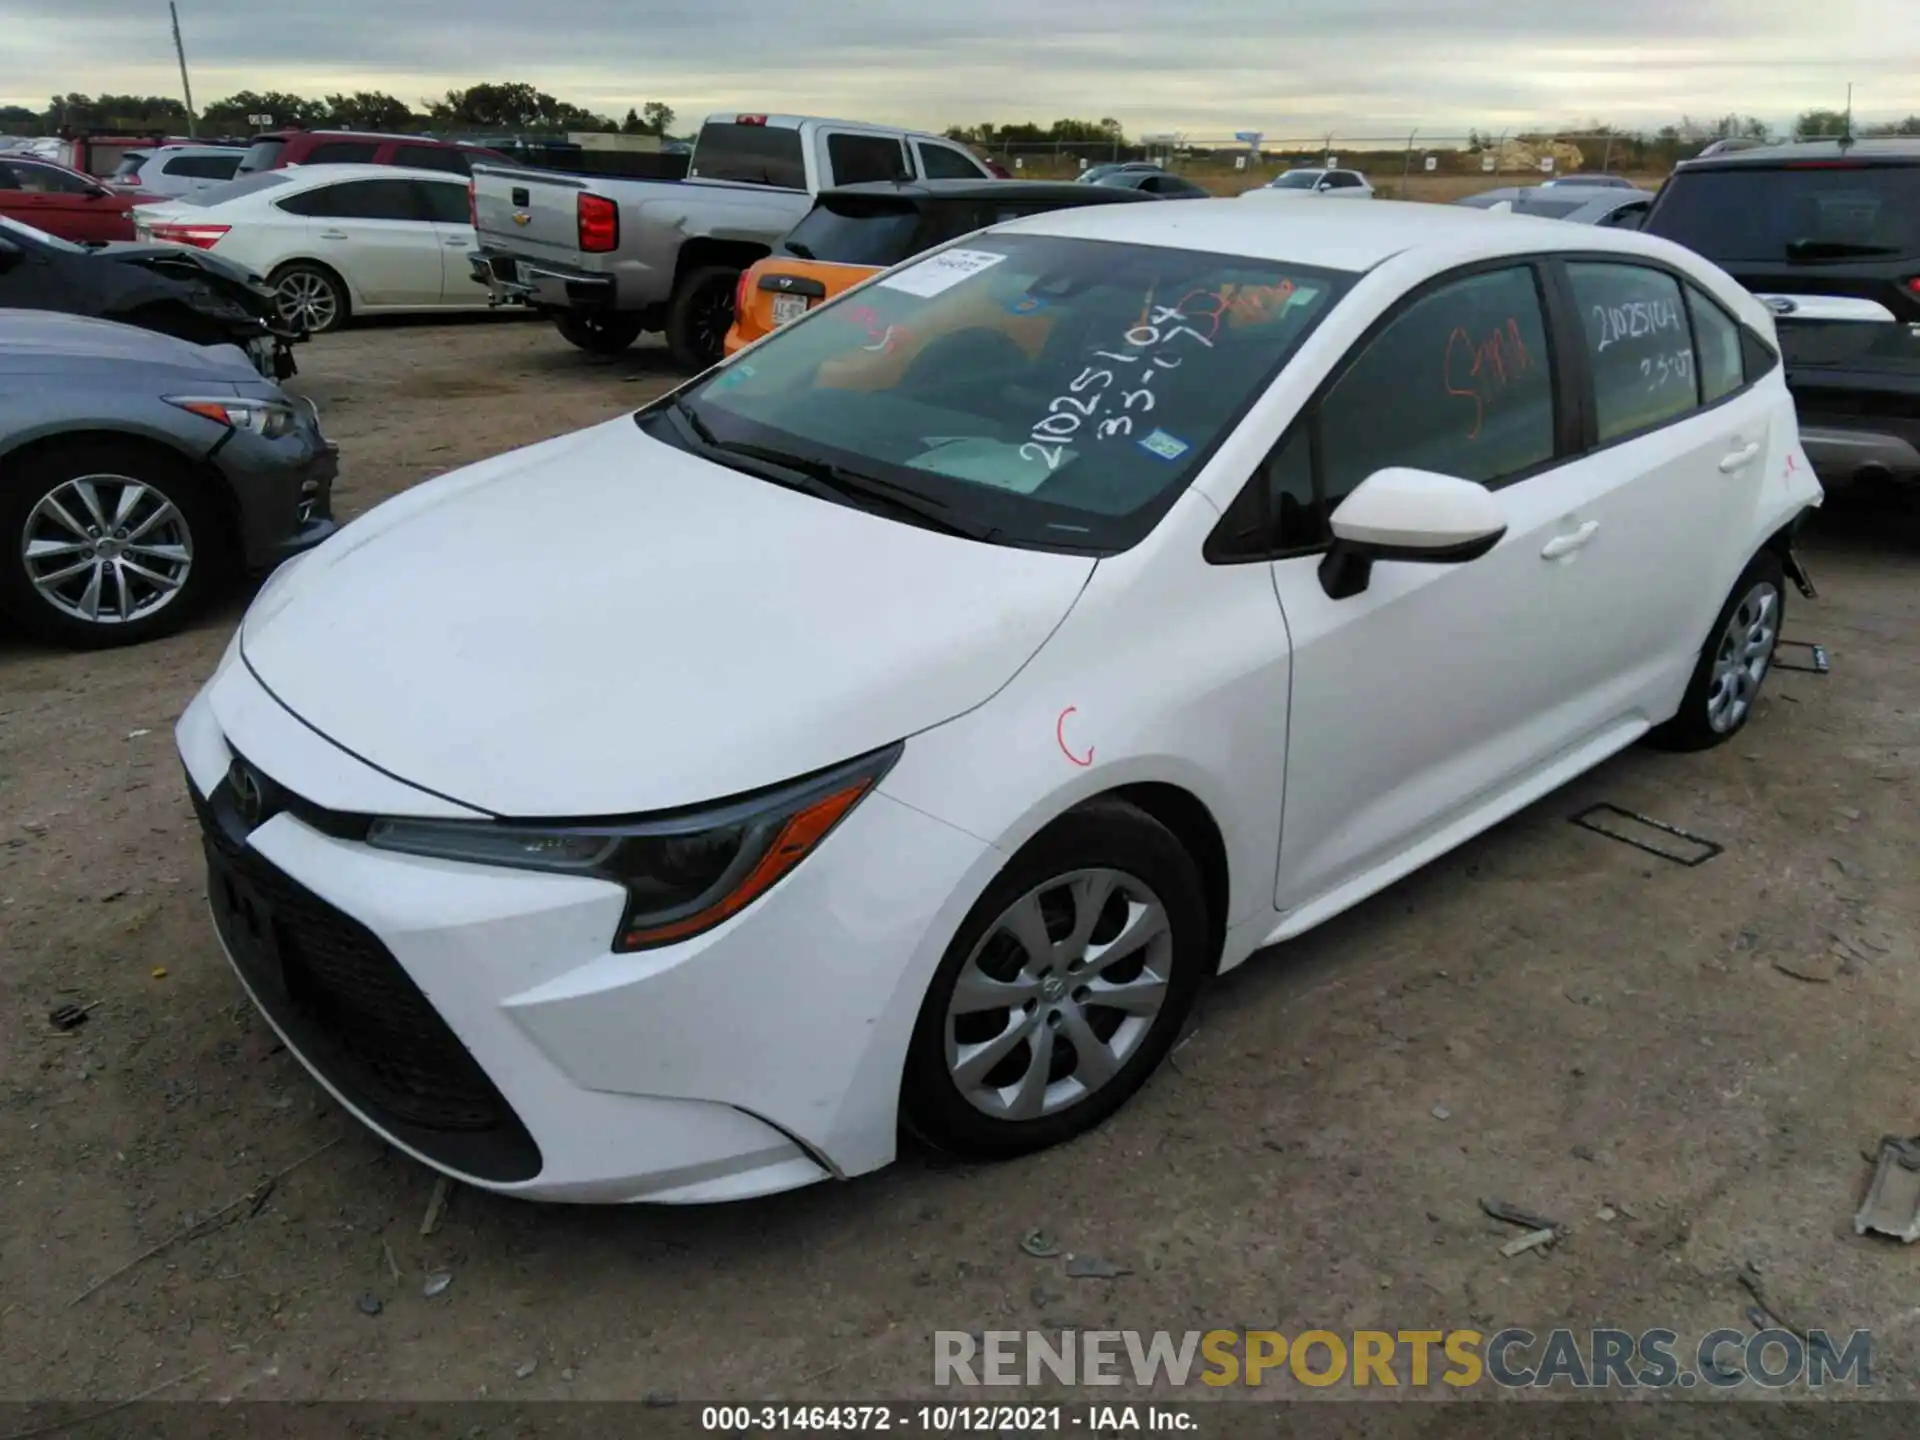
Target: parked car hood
(604, 624)
(45, 342)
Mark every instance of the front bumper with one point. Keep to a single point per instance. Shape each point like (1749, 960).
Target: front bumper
(477, 1019)
(511, 280)
(283, 490)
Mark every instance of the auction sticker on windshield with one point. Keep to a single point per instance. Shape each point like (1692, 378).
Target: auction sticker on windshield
(941, 272)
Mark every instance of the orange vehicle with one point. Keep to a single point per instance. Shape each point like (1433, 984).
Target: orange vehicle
(858, 230)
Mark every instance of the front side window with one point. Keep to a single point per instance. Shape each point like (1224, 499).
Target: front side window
(1460, 383)
(942, 163)
(48, 180)
(1060, 391)
(1297, 180)
(856, 159)
(1639, 346)
(342, 152)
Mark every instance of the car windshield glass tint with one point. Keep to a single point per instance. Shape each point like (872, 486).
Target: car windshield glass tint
(852, 232)
(1298, 180)
(1794, 216)
(234, 189)
(35, 235)
(1060, 391)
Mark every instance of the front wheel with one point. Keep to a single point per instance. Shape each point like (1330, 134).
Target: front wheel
(1063, 989)
(599, 334)
(107, 543)
(1733, 663)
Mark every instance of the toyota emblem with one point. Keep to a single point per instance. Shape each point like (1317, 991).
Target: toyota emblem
(249, 794)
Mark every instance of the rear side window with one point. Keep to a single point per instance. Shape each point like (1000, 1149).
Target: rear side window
(1716, 345)
(362, 200)
(203, 167)
(943, 163)
(1639, 346)
(855, 233)
(751, 155)
(1800, 216)
(1343, 180)
(432, 157)
(856, 159)
(446, 203)
(341, 152)
(1465, 376)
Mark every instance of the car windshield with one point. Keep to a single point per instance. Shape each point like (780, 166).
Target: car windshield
(1828, 212)
(234, 189)
(36, 236)
(855, 231)
(1056, 392)
(1297, 180)
(261, 155)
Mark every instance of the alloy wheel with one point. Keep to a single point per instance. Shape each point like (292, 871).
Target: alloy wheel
(1745, 651)
(712, 318)
(1059, 994)
(107, 549)
(306, 299)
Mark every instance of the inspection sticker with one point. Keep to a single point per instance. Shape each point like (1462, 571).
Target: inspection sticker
(941, 272)
(1166, 446)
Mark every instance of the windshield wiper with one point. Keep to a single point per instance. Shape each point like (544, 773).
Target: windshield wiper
(795, 247)
(852, 484)
(1833, 249)
(702, 431)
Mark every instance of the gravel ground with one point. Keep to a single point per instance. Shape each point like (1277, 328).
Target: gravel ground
(1544, 1015)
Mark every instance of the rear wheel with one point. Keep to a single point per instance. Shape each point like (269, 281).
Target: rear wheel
(598, 334)
(699, 316)
(106, 543)
(1733, 663)
(1063, 989)
(311, 297)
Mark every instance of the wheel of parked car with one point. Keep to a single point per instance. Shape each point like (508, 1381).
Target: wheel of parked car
(109, 543)
(310, 295)
(1733, 662)
(699, 316)
(600, 334)
(1067, 983)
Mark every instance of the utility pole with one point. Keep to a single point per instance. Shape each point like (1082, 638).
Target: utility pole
(181, 51)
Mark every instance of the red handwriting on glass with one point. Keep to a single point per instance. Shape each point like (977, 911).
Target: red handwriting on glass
(885, 337)
(1479, 370)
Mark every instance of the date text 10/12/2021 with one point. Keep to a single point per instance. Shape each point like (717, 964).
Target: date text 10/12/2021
(963, 1419)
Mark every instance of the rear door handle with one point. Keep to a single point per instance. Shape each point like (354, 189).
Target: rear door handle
(1567, 544)
(1743, 456)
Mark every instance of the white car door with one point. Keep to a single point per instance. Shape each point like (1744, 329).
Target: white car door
(377, 234)
(446, 202)
(1442, 689)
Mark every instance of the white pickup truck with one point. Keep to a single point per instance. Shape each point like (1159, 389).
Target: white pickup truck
(611, 258)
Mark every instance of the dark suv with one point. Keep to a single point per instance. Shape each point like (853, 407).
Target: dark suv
(1827, 234)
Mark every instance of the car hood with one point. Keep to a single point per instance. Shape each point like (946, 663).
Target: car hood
(604, 624)
(46, 342)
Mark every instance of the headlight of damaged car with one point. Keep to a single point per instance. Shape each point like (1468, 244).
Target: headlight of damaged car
(269, 419)
(683, 872)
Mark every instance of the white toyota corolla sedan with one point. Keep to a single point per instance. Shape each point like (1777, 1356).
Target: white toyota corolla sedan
(895, 727)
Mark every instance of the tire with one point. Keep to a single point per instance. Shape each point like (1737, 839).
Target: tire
(990, 1113)
(312, 296)
(1733, 663)
(699, 316)
(174, 530)
(598, 334)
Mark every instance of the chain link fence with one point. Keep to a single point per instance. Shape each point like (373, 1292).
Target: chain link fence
(1412, 164)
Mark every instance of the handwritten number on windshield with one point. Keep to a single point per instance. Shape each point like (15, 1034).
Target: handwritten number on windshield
(1067, 413)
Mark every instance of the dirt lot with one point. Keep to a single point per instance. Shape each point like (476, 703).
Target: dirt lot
(1545, 1016)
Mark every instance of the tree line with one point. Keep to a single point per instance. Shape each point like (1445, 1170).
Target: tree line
(497, 106)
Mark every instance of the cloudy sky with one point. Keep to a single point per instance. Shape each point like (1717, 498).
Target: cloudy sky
(1207, 67)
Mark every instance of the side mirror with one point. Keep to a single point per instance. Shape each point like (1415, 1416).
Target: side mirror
(1408, 515)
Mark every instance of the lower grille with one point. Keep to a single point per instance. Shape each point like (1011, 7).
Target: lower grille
(352, 1012)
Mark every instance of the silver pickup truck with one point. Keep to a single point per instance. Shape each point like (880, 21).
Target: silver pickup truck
(610, 258)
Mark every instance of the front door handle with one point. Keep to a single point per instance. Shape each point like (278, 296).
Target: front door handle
(1567, 544)
(333, 234)
(1743, 456)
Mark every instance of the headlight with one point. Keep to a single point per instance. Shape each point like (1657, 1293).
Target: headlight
(683, 873)
(269, 419)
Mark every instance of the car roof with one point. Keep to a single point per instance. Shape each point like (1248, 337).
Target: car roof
(981, 189)
(307, 177)
(1330, 237)
(1893, 147)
